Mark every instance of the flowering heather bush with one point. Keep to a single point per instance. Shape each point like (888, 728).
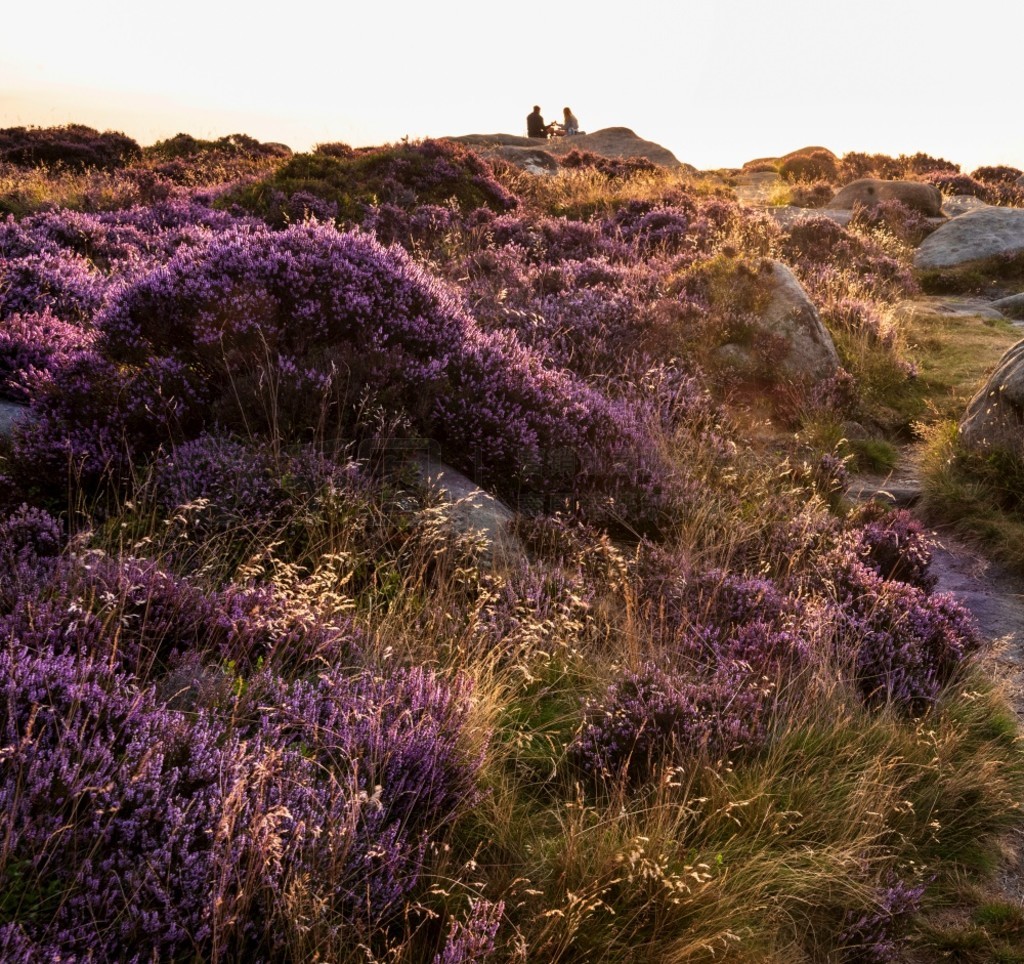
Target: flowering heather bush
(903, 222)
(30, 541)
(545, 241)
(856, 165)
(950, 182)
(689, 226)
(74, 146)
(652, 718)
(126, 240)
(471, 941)
(33, 347)
(876, 936)
(60, 282)
(905, 644)
(828, 257)
(836, 396)
(895, 544)
(92, 417)
(859, 317)
(239, 479)
(406, 175)
(143, 619)
(108, 801)
(369, 771)
(422, 227)
(335, 149)
(997, 174)
(611, 167)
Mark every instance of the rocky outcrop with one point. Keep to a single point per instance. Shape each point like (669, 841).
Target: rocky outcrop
(618, 142)
(808, 350)
(1011, 307)
(989, 232)
(531, 159)
(994, 420)
(869, 191)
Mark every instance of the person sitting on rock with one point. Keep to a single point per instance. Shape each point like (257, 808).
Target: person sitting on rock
(535, 126)
(569, 123)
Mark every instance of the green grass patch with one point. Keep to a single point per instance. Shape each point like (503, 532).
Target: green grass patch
(979, 497)
(954, 354)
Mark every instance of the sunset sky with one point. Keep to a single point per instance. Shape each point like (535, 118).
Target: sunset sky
(716, 82)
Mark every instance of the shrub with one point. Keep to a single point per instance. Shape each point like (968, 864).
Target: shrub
(951, 182)
(611, 167)
(895, 544)
(406, 175)
(651, 718)
(829, 258)
(904, 644)
(903, 222)
(59, 281)
(73, 146)
(997, 174)
(816, 166)
(108, 803)
(876, 936)
(367, 771)
(187, 146)
(33, 347)
(814, 194)
(303, 323)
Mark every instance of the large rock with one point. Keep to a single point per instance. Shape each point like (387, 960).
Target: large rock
(994, 420)
(869, 191)
(1011, 307)
(989, 232)
(471, 510)
(960, 204)
(809, 352)
(531, 159)
(618, 142)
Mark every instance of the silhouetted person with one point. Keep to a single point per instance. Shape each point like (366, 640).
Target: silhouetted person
(535, 126)
(569, 123)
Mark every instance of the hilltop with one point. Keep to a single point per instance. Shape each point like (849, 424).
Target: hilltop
(405, 556)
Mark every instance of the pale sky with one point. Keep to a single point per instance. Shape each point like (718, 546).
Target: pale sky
(716, 82)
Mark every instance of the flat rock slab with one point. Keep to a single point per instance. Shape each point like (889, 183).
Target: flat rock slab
(987, 232)
(899, 493)
(949, 306)
(994, 597)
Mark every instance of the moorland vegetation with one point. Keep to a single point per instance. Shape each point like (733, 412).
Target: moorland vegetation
(262, 698)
